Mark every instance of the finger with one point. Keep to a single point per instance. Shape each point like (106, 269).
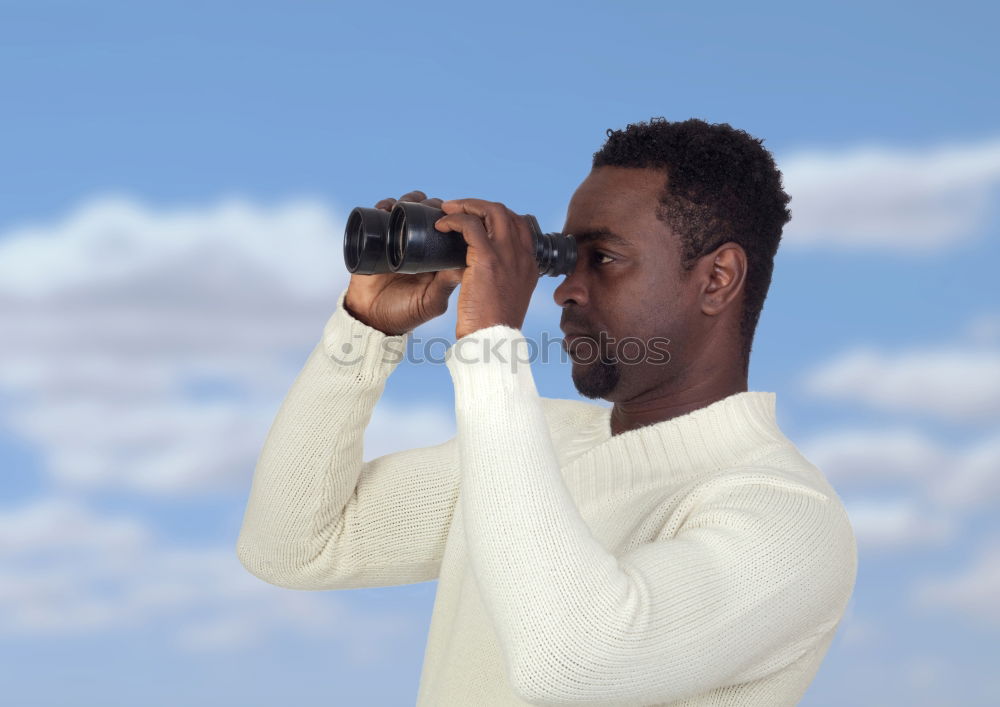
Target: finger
(525, 231)
(489, 211)
(439, 289)
(415, 195)
(472, 229)
(500, 221)
(436, 203)
(385, 204)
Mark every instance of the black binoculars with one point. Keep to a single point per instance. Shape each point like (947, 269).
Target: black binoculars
(404, 240)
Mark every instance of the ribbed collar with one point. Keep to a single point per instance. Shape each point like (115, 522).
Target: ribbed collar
(728, 433)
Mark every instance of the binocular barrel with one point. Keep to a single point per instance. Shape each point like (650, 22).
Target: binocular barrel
(405, 240)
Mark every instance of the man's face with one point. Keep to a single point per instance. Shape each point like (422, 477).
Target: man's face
(627, 283)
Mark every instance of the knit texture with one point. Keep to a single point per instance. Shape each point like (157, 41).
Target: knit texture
(697, 561)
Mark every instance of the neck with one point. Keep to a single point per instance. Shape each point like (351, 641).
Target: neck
(658, 404)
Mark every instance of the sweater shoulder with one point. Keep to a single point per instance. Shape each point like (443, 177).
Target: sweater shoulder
(565, 413)
(787, 463)
(784, 490)
(772, 492)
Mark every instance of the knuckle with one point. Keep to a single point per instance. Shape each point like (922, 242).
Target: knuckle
(488, 260)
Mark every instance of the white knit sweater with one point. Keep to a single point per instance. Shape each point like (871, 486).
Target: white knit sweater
(696, 561)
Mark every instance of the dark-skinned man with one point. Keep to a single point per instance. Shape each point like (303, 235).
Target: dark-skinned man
(673, 549)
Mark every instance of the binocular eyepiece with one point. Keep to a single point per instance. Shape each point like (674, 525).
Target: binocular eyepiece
(405, 240)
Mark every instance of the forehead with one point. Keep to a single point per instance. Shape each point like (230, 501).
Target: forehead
(620, 199)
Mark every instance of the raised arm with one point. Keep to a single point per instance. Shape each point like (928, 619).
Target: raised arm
(759, 572)
(318, 517)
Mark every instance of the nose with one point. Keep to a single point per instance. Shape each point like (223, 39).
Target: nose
(572, 290)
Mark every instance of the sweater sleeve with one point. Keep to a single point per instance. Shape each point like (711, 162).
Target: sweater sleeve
(318, 517)
(758, 572)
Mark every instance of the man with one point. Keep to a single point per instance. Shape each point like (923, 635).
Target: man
(674, 549)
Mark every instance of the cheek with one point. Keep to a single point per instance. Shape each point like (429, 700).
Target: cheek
(642, 323)
(659, 315)
(640, 303)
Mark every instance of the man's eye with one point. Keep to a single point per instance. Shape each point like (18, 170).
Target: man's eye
(598, 254)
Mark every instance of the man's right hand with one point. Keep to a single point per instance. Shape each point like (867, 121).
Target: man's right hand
(397, 303)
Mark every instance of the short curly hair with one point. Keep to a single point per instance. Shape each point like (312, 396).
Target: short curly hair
(721, 185)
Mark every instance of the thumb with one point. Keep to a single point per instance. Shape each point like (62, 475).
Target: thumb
(439, 290)
(445, 281)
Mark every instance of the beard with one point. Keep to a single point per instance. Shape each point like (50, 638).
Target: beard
(596, 368)
(596, 379)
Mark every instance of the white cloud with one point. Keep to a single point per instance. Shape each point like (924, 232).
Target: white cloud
(161, 445)
(113, 240)
(65, 570)
(956, 383)
(859, 456)
(150, 349)
(871, 197)
(897, 524)
(973, 480)
(973, 591)
(963, 478)
(61, 525)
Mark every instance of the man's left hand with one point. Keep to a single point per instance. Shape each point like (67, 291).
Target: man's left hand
(501, 271)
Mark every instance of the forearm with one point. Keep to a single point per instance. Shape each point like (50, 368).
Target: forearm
(311, 460)
(531, 550)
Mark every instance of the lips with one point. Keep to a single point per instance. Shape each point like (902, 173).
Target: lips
(571, 344)
(572, 336)
(574, 332)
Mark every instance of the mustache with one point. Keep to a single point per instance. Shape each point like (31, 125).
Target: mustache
(576, 326)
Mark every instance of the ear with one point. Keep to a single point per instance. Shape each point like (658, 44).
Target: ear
(725, 271)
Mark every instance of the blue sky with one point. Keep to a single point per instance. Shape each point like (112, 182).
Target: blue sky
(176, 178)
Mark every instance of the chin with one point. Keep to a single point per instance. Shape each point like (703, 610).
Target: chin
(596, 380)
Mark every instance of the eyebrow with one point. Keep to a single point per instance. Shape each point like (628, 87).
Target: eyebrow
(601, 234)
